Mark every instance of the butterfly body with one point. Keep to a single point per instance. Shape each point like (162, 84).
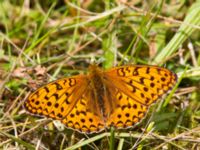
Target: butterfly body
(97, 89)
(118, 97)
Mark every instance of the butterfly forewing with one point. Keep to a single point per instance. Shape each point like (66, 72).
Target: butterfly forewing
(144, 84)
(56, 99)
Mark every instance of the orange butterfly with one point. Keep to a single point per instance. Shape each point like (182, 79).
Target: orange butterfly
(118, 97)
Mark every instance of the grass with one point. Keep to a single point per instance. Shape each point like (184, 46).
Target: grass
(44, 41)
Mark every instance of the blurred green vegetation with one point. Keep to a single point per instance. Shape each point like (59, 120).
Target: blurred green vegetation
(45, 40)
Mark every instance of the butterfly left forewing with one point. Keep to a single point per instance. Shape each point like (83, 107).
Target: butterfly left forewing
(56, 99)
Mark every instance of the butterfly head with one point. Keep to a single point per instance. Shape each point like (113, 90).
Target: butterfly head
(94, 69)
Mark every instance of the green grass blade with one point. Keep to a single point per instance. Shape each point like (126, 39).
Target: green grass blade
(186, 29)
(18, 140)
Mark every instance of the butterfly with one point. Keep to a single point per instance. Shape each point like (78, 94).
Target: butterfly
(118, 97)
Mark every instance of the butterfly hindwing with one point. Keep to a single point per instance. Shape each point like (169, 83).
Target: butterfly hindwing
(82, 119)
(127, 113)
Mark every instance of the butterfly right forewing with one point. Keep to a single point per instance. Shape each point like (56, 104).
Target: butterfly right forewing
(143, 83)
